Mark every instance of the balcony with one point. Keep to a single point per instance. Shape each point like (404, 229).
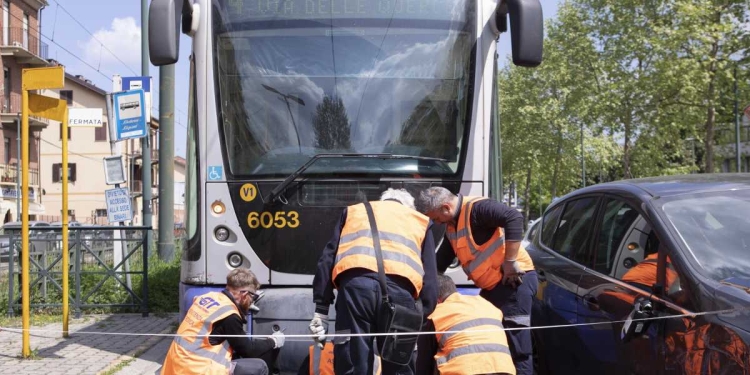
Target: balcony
(11, 110)
(24, 45)
(9, 175)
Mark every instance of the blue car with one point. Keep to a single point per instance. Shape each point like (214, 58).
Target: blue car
(646, 276)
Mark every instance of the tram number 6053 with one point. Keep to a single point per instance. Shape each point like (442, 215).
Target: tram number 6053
(278, 219)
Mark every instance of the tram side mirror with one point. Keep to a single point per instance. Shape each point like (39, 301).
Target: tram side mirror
(526, 29)
(164, 25)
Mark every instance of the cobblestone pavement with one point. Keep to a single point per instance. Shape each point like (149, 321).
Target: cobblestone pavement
(84, 353)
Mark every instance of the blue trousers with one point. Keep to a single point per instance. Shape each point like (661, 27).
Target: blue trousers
(357, 306)
(516, 307)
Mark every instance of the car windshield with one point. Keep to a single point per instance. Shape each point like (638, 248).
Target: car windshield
(301, 78)
(715, 227)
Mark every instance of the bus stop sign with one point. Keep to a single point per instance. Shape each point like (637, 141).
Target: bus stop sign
(130, 114)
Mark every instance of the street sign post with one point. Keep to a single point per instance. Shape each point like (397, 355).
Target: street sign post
(54, 109)
(118, 205)
(43, 78)
(130, 115)
(114, 170)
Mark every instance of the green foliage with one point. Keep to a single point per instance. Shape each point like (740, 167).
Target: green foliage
(647, 84)
(163, 285)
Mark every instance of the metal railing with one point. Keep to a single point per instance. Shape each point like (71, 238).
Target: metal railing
(25, 38)
(94, 278)
(9, 173)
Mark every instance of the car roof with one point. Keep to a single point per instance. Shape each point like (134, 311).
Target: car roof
(665, 186)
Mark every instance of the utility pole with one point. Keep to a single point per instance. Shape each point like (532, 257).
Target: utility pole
(736, 123)
(18, 168)
(166, 165)
(145, 142)
(583, 161)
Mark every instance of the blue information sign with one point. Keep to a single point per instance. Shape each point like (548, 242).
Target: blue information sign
(130, 114)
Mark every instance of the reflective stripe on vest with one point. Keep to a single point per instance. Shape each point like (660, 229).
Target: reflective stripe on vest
(473, 342)
(196, 347)
(481, 263)
(191, 349)
(473, 349)
(402, 231)
(469, 324)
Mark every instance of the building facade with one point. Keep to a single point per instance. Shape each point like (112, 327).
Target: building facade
(87, 148)
(20, 48)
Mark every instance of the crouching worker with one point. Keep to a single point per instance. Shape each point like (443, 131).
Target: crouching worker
(212, 333)
(464, 352)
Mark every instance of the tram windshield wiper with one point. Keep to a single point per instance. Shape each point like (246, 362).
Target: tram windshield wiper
(281, 187)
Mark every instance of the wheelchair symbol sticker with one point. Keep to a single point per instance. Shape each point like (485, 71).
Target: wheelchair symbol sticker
(215, 172)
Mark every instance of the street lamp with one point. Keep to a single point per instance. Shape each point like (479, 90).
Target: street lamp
(286, 98)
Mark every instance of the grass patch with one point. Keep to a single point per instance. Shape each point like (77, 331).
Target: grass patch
(33, 356)
(36, 319)
(118, 367)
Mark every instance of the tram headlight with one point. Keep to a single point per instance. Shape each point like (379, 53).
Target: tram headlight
(235, 260)
(218, 208)
(222, 234)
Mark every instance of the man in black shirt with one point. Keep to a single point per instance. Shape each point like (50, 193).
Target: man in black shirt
(486, 235)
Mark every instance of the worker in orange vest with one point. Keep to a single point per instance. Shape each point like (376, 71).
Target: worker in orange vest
(486, 237)
(349, 264)
(320, 361)
(200, 346)
(473, 342)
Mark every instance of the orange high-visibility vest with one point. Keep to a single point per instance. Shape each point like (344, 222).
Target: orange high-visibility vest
(644, 273)
(402, 231)
(466, 352)
(321, 361)
(190, 352)
(482, 264)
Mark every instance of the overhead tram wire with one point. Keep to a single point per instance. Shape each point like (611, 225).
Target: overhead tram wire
(95, 38)
(66, 50)
(102, 45)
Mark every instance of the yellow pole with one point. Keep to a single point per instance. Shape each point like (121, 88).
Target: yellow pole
(66, 253)
(26, 350)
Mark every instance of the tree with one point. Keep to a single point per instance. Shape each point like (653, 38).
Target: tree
(331, 125)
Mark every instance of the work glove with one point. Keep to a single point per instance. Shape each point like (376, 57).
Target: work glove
(278, 339)
(318, 327)
(512, 273)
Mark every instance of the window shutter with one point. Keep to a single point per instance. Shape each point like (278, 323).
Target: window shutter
(72, 177)
(55, 172)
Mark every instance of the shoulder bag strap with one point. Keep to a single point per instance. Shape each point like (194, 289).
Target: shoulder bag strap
(378, 251)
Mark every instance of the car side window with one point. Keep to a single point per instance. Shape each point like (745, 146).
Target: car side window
(549, 224)
(618, 217)
(571, 239)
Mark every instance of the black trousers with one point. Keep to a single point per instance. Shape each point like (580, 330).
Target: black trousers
(357, 306)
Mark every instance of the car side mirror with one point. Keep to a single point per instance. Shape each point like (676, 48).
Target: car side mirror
(635, 325)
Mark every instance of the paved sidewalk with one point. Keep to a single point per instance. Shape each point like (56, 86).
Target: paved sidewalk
(84, 353)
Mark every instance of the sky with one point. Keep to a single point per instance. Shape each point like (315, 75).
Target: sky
(98, 39)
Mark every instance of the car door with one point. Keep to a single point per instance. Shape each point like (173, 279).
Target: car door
(622, 271)
(556, 251)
